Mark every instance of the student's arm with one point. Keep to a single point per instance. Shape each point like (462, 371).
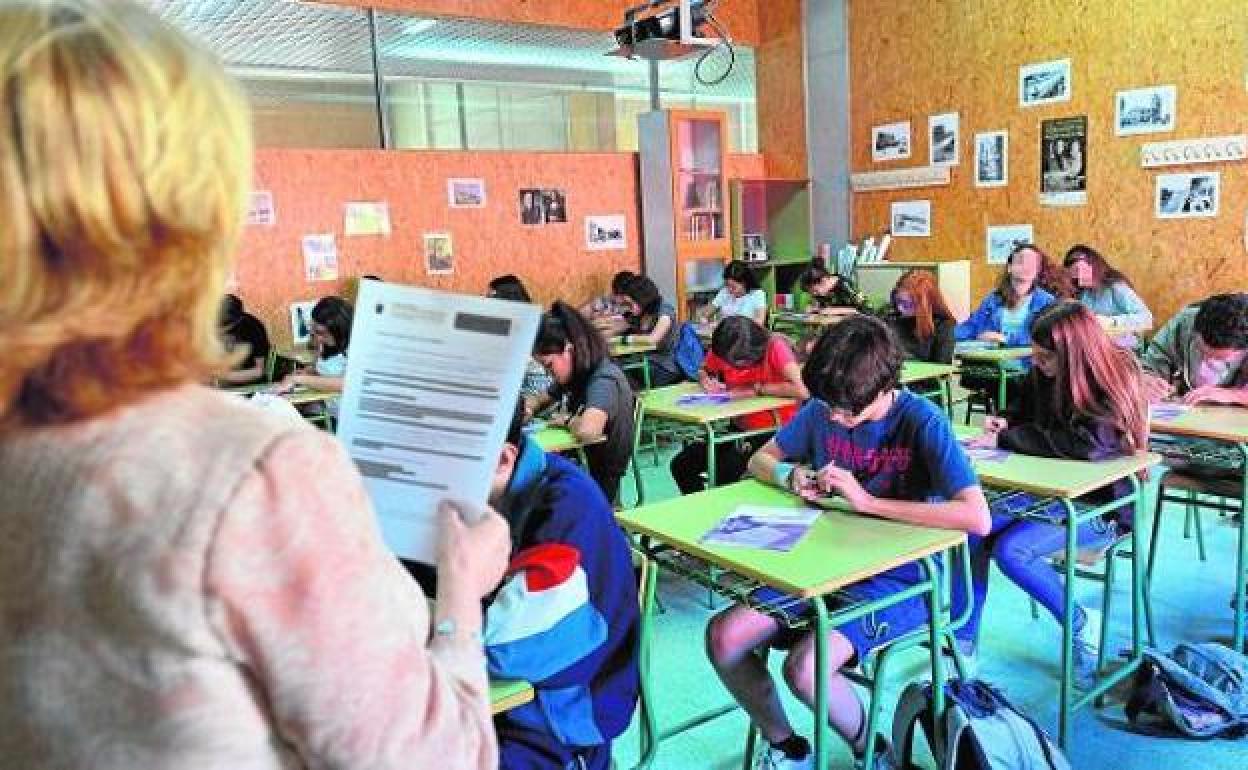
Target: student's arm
(1129, 309)
(772, 463)
(780, 357)
(253, 373)
(1213, 394)
(979, 321)
(656, 335)
(759, 313)
(1161, 360)
(589, 425)
(601, 403)
(535, 404)
(1079, 440)
(318, 382)
(711, 374)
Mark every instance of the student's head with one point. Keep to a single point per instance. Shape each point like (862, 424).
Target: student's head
(331, 326)
(641, 297)
(231, 311)
(817, 281)
(1092, 376)
(1222, 326)
(917, 296)
(739, 280)
(508, 287)
(740, 341)
(569, 346)
(510, 453)
(620, 280)
(1022, 272)
(1087, 269)
(124, 163)
(853, 365)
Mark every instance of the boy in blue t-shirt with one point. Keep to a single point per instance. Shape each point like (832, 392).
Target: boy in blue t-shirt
(889, 454)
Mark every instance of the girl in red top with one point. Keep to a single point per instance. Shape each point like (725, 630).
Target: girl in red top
(745, 360)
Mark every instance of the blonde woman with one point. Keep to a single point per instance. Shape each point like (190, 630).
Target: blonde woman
(185, 581)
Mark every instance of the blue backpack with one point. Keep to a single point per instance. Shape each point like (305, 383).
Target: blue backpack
(1200, 691)
(688, 351)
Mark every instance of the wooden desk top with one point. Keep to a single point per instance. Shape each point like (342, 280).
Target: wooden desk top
(1220, 423)
(561, 440)
(661, 402)
(617, 350)
(507, 694)
(918, 371)
(994, 355)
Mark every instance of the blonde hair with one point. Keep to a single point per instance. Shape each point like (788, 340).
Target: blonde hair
(124, 162)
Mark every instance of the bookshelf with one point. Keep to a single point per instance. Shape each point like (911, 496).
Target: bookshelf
(779, 211)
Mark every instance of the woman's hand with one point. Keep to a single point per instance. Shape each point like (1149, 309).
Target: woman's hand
(472, 556)
(804, 484)
(986, 440)
(710, 384)
(559, 420)
(995, 424)
(1212, 394)
(1156, 389)
(838, 481)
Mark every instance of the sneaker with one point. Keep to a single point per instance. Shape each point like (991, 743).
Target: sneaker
(1086, 651)
(773, 758)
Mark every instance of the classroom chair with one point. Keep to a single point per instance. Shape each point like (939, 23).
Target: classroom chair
(648, 731)
(639, 414)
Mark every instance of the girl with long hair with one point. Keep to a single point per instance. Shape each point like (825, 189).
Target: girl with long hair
(651, 320)
(921, 318)
(1106, 292)
(741, 295)
(331, 336)
(1083, 400)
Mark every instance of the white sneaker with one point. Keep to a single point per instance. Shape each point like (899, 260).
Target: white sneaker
(772, 758)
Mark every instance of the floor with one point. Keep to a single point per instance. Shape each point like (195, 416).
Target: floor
(1018, 654)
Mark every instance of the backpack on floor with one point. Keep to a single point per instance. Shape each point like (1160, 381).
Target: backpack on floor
(688, 351)
(1201, 691)
(981, 730)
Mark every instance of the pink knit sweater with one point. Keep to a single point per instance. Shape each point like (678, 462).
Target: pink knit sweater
(189, 583)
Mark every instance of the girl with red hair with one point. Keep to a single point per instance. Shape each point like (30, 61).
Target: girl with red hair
(921, 318)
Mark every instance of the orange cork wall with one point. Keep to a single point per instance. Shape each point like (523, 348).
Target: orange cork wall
(926, 57)
(310, 188)
(781, 89)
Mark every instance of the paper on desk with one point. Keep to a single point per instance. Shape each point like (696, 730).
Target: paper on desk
(430, 390)
(753, 526)
(704, 399)
(984, 454)
(1168, 411)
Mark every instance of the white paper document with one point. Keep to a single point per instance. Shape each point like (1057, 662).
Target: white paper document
(431, 386)
(755, 526)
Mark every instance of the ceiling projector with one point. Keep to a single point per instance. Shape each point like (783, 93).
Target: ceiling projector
(661, 30)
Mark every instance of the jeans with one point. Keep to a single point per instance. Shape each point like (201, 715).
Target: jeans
(1022, 550)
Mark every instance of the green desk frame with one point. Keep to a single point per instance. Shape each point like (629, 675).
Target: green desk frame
(996, 361)
(634, 358)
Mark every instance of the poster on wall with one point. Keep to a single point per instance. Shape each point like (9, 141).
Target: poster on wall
(605, 233)
(366, 218)
(1188, 196)
(320, 258)
(992, 159)
(555, 205)
(944, 139)
(1144, 110)
(890, 142)
(439, 255)
(1044, 83)
(531, 210)
(260, 211)
(300, 322)
(465, 193)
(1064, 161)
(911, 219)
(1002, 239)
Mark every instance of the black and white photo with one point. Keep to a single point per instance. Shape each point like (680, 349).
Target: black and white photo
(1064, 161)
(1044, 83)
(911, 219)
(465, 193)
(992, 159)
(605, 233)
(554, 204)
(943, 139)
(1145, 110)
(890, 142)
(1186, 196)
(1002, 239)
(531, 211)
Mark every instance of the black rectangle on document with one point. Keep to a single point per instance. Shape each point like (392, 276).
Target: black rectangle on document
(483, 324)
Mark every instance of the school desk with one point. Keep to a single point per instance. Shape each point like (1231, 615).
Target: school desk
(839, 549)
(298, 397)
(301, 356)
(783, 320)
(1227, 425)
(506, 694)
(661, 404)
(998, 362)
(635, 355)
(555, 439)
(915, 372)
(1050, 479)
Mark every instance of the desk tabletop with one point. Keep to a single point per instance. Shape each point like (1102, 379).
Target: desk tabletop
(506, 694)
(994, 355)
(299, 395)
(661, 402)
(918, 371)
(841, 547)
(561, 440)
(826, 318)
(631, 349)
(1221, 423)
(305, 356)
(1051, 477)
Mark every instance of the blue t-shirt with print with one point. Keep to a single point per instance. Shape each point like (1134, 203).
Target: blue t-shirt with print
(908, 454)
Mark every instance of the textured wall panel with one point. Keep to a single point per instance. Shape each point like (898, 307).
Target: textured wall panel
(964, 55)
(781, 98)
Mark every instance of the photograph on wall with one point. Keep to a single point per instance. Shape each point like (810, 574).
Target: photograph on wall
(320, 258)
(366, 218)
(1187, 196)
(531, 211)
(890, 142)
(992, 159)
(439, 255)
(465, 193)
(554, 204)
(1002, 239)
(1064, 161)
(605, 233)
(943, 139)
(1044, 83)
(1145, 110)
(260, 209)
(300, 322)
(911, 219)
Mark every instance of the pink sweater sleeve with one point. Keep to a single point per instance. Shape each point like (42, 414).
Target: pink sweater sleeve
(333, 631)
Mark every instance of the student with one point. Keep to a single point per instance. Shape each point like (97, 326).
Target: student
(651, 320)
(331, 336)
(1106, 292)
(599, 397)
(185, 581)
(243, 331)
(740, 295)
(889, 454)
(1082, 400)
(747, 358)
(829, 291)
(566, 617)
(537, 380)
(921, 319)
(1198, 356)
(609, 307)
